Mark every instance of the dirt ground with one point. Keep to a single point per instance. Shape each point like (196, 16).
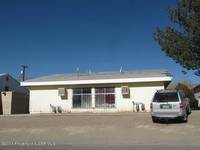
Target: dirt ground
(115, 129)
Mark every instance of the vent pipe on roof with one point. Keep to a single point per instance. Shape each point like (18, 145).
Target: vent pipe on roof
(88, 71)
(77, 72)
(121, 69)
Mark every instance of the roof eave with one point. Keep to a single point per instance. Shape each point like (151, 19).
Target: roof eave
(101, 81)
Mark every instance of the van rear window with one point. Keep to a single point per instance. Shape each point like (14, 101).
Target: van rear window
(165, 97)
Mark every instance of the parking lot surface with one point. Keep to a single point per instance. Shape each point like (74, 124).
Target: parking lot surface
(97, 131)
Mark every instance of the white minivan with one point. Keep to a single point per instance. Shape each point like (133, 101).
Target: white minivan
(170, 104)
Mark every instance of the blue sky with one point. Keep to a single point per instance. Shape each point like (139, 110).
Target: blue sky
(59, 36)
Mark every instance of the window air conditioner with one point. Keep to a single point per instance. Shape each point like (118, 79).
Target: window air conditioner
(125, 90)
(61, 92)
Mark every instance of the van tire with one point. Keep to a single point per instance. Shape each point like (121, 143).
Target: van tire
(155, 120)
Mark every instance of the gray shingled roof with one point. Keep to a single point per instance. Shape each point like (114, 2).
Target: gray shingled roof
(102, 75)
(2, 74)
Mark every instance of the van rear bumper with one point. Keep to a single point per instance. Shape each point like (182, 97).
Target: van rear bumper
(167, 116)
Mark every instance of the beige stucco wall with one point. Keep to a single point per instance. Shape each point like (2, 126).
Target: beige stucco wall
(6, 102)
(139, 93)
(41, 97)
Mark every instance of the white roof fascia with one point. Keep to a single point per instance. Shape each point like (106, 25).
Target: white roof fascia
(100, 81)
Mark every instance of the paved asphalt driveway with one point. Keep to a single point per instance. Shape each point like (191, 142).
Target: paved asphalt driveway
(97, 131)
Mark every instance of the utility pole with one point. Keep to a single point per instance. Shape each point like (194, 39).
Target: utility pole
(23, 71)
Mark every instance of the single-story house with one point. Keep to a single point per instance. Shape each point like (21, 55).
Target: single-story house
(95, 92)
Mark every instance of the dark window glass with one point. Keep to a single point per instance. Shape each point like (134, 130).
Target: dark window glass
(86, 90)
(166, 97)
(76, 101)
(76, 91)
(110, 90)
(6, 88)
(99, 90)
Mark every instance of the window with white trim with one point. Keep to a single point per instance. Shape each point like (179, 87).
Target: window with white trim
(105, 97)
(82, 98)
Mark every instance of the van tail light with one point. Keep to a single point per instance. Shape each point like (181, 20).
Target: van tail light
(181, 106)
(151, 106)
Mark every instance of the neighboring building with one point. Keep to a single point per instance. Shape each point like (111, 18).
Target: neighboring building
(196, 90)
(95, 92)
(14, 99)
(8, 83)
